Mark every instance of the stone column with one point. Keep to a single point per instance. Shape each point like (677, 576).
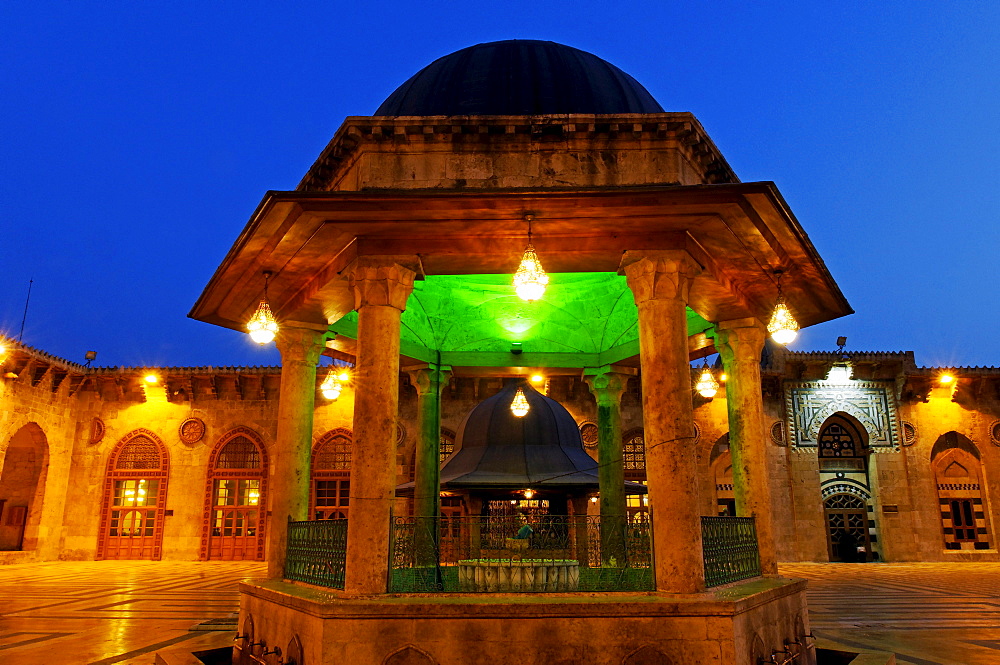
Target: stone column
(740, 344)
(427, 460)
(300, 349)
(381, 286)
(660, 282)
(427, 487)
(607, 388)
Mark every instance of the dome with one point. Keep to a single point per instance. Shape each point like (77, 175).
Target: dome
(519, 77)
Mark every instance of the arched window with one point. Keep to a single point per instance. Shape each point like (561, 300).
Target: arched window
(840, 437)
(959, 479)
(447, 445)
(135, 493)
(634, 454)
(331, 475)
(235, 498)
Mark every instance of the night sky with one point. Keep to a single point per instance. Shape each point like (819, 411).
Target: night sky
(137, 139)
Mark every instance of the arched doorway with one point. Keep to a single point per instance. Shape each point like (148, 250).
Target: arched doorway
(331, 475)
(958, 476)
(236, 498)
(135, 493)
(721, 464)
(848, 537)
(843, 467)
(22, 484)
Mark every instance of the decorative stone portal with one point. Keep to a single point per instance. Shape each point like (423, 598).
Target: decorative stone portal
(727, 626)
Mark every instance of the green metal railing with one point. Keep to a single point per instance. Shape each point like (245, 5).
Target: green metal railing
(553, 554)
(729, 548)
(317, 552)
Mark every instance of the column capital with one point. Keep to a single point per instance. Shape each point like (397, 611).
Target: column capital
(382, 280)
(426, 379)
(300, 345)
(606, 385)
(740, 339)
(660, 274)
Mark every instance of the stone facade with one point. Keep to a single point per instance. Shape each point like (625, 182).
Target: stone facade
(927, 448)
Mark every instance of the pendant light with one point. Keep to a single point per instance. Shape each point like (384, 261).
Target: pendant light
(530, 279)
(706, 385)
(783, 327)
(262, 326)
(519, 405)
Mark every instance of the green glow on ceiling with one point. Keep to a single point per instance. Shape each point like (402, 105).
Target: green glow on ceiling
(581, 314)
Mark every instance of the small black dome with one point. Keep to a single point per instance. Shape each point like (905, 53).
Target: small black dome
(519, 77)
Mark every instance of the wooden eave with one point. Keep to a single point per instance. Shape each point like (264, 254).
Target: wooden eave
(740, 233)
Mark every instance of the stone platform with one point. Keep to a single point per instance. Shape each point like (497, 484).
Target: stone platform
(733, 625)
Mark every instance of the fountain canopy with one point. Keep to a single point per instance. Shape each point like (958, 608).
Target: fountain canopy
(542, 450)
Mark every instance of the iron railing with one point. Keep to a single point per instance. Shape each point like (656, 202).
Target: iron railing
(543, 553)
(729, 548)
(317, 552)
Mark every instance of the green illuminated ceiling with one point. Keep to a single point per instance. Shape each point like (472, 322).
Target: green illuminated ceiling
(584, 320)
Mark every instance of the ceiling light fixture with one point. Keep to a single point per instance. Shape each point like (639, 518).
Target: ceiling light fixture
(530, 279)
(262, 326)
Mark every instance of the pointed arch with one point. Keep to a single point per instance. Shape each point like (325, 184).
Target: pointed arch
(409, 655)
(330, 475)
(135, 496)
(842, 435)
(235, 498)
(959, 480)
(24, 467)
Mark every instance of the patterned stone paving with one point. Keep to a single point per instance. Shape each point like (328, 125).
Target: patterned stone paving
(105, 612)
(928, 614)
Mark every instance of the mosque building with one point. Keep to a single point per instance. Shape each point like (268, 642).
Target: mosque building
(406, 353)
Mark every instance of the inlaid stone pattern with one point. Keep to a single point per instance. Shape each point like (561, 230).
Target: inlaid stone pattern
(192, 430)
(809, 404)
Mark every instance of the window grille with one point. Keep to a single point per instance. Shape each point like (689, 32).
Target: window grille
(140, 453)
(447, 444)
(634, 451)
(334, 454)
(240, 453)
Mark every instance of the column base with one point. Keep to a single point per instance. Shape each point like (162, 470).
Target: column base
(734, 625)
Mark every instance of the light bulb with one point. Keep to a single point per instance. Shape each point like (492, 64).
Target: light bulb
(707, 386)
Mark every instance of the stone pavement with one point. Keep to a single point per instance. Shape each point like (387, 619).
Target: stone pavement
(104, 612)
(927, 613)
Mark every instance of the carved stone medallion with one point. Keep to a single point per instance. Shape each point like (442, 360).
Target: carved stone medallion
(588, 432)
(995, 432)
(778, 433)
(97, 430)
(909, 434)
(191, 430)
(400, 434)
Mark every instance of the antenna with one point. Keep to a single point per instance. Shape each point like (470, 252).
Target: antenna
(23, 318)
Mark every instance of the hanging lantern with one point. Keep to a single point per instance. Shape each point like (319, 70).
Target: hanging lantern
(782, 326)
(262, 326)
(331, 386)
(530, 279)
(519, 406)
(706, 385)
(529, 493)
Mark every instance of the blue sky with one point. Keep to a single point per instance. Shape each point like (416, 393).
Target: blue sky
(137, 138)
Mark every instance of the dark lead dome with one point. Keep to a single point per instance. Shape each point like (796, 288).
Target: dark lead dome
(519, 77)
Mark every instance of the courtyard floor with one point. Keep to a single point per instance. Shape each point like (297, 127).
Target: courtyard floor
(104, 612)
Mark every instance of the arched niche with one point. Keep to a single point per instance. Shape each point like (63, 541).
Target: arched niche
(22, 485)
(235, 498)
(329, 497)
(135, 496)
(958, 479)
